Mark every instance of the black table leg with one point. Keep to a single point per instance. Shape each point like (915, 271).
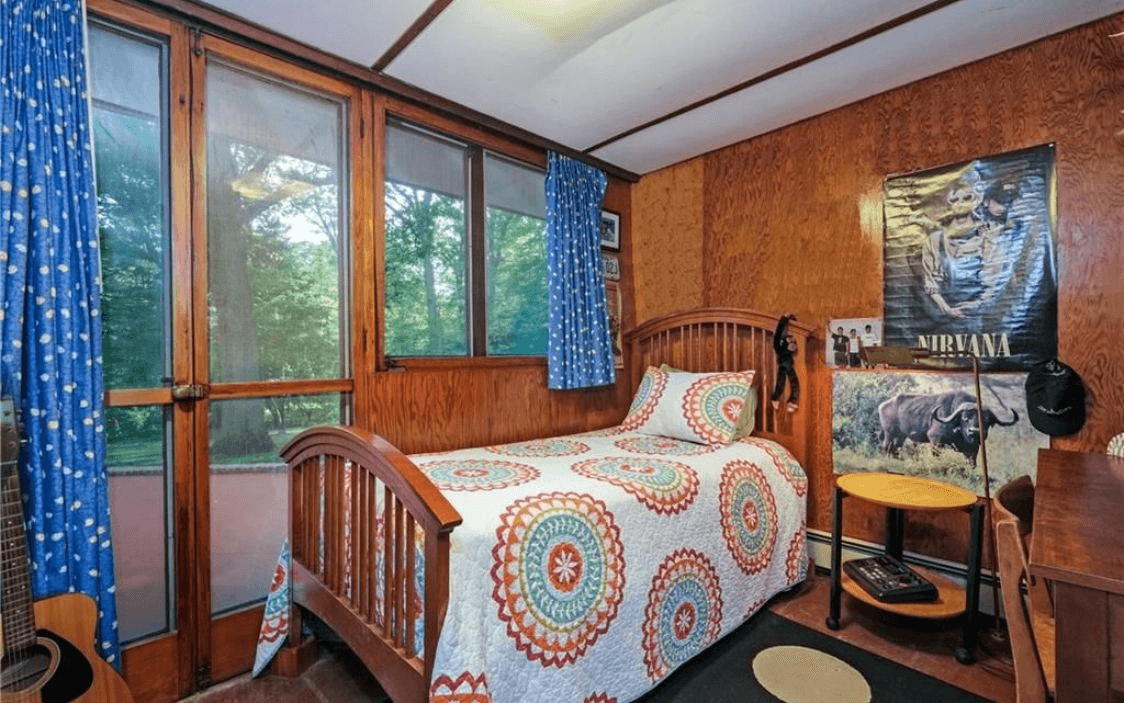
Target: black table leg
(836, 558)
(895, 529)
(972, 587)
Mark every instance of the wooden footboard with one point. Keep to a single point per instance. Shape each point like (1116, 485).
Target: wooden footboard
(370, 545)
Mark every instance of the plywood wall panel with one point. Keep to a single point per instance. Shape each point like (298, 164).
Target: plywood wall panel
(1089, 120)
(667, 239)
(438, 409)
(792, 219)
(781, 213)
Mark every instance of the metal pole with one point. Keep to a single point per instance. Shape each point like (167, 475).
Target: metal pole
(987, 489)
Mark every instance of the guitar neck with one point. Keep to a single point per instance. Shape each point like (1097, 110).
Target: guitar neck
(17, 618)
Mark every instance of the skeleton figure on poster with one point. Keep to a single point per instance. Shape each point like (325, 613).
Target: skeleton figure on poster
(969, 255)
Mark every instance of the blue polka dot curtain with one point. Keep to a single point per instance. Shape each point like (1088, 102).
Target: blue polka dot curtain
(50, 358)
(579, 348)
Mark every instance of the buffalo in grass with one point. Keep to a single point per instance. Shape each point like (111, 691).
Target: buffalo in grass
(949, 419)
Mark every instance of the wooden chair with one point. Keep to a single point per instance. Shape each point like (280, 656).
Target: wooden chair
(1030, 619)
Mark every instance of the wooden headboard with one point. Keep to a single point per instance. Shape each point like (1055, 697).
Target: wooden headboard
(729, 339)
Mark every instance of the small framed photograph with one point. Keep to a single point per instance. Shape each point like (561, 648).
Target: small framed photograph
(610, 230)
(846, 338)
(612, 266)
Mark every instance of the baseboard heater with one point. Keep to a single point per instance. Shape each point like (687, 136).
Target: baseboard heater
(819, 550)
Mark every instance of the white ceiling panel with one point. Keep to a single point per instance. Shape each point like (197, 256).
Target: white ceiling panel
(357, 30)
(608, 76)
(581, 72)
(958, 34)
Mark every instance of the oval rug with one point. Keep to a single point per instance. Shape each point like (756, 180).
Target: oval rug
(803, 675)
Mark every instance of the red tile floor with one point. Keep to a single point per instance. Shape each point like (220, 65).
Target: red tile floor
(926, 646)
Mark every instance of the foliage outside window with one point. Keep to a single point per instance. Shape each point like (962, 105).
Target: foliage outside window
(130, 135)
(432, 249)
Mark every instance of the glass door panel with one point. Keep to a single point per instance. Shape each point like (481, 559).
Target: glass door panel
(130, 136)
(129, 95)
(250, 496)
(142, 535)
(274, 205)
(275, 231)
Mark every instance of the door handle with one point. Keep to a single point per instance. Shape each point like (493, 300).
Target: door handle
(189, 392)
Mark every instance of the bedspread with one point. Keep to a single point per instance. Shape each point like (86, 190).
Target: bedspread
(590, 566)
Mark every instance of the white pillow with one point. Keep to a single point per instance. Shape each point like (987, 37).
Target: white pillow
(695, 407)
(748, 420)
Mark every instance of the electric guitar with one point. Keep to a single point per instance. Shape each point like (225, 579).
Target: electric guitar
(47, 645)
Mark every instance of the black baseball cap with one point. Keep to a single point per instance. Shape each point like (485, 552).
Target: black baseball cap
(1055, 398)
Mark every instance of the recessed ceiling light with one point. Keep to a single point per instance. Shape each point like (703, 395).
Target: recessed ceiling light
(565, 19)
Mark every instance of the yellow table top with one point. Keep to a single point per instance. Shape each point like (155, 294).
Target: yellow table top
(909, 492)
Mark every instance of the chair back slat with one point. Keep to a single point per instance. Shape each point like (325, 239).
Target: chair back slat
(1030, 623)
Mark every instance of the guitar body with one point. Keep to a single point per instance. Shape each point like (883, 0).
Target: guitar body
(71, 671)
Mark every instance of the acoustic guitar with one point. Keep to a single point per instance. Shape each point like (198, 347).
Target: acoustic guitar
(47, 645)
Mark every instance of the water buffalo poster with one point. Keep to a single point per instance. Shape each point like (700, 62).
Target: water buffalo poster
(926, 424)
(970, 261)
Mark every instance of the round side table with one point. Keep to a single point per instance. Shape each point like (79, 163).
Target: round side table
(898, 493)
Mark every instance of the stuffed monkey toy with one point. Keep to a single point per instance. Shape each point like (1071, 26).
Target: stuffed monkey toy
(784, 344)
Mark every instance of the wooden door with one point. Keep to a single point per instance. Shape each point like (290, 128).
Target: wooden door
(225, 187)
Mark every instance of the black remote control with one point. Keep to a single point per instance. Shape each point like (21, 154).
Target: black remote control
(890, 581)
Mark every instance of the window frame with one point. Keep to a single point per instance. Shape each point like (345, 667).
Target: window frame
(478, 142)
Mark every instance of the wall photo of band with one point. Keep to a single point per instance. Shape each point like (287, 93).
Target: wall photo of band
(846, 338)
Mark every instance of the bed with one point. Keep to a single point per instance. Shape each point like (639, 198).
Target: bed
(579, 568)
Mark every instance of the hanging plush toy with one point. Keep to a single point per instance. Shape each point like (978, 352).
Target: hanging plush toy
(784, 344)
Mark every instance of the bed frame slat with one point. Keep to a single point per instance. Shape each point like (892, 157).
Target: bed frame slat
(388, 564)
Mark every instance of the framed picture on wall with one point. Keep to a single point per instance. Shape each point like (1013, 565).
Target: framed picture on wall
(610, 230)
(613, 295)
(612, 266)
(847, 337)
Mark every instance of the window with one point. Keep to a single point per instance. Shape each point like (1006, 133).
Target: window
(129, 80)
(516, 257)
(275, 204)
(465, 249)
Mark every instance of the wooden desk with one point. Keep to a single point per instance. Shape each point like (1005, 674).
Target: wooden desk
(1078, 543)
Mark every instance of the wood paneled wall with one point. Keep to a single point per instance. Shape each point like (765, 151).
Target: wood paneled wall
(792, 221)
(667, 258)
(435, 406)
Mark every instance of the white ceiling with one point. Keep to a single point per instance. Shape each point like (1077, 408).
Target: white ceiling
(580, 72)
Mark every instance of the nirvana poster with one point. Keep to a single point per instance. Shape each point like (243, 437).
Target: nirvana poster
(970, 262)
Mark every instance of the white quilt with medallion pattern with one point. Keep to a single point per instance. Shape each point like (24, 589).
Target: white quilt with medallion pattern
(590, 566)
